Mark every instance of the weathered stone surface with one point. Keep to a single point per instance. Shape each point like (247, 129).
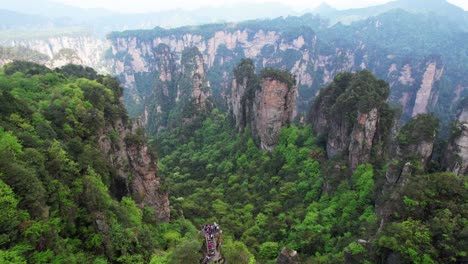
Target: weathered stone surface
(351, 132)
(431, 75)
(287, 256)
(264, 103)
(338, 137)
(274, 107)
(83, 49)
(362, 138)
(135, 165)
(456, 157)
(238, 104)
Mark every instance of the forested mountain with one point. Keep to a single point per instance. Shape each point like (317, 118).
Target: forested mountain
(357, 190)
(306, 140)
(77, 183)
(422, 56)
(417, 47)
(438, 7)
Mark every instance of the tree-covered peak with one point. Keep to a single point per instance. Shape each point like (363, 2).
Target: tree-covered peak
(350, 93)
(279, 75)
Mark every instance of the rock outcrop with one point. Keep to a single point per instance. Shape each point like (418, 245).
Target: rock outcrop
(430, 76)
(163, 91)
(274, 107)
(362, 137)
(348, 114)
(411, 154)
(304, 53)
(265, 103)
(82, 49)
(133, 57)
(125, 148)
(456, 157)
(287, 256)
(193, 69)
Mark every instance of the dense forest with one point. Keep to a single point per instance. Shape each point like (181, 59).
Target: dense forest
(59, 203)
(297, 198)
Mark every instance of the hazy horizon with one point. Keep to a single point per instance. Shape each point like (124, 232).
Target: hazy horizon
(145, 6)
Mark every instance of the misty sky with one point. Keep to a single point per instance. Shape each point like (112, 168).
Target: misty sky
(156, 5)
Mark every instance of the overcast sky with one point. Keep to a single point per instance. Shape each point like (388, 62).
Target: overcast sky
(156, 5)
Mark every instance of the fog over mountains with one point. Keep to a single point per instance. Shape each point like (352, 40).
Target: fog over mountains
(46, 15)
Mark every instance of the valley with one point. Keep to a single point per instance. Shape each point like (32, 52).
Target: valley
(330, 136)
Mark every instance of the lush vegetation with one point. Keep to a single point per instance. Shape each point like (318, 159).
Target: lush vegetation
(57, 192)
(385, 40)
(294, 197)
(282, 76)
(60, 204)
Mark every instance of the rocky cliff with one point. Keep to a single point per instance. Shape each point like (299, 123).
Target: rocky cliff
(264, 102)
(81, 49)
(126, 150)
(410, 155)
(423, 67)
(413, 149)
(274, 107)
(352, 115)
(456, 157)
(313, 52)
(160, 83)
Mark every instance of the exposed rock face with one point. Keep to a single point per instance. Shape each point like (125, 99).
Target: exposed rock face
(338, 136)
(431, 75)
(362, 137)
(456, 157)
(413, 82)
(352, 131)
(357, 144)
(414, 146)
(157, 86)
(237, 102)
(193, 68)
(82, 49)
(274, 106)
(132, 56)
(422, 149)
(5, 61)
(287, 256)
(412, 151)
(266, 103)
(135, 167)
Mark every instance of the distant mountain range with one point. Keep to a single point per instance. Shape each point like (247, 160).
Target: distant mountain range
(43, 14)
(439, 7)
(48, 16)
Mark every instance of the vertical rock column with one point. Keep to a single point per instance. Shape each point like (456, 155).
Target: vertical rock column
(274, 107)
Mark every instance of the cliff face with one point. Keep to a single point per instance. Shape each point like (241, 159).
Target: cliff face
(411, 154)
(362, 137)
(82, 49)
(309, 54)
(354, 139)
(304, 46)
(264, 102)
(274, 107)
(135, 166)
(160, 83)
(414, 145)
(456, 157)
(430, 76)
(348, 114)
